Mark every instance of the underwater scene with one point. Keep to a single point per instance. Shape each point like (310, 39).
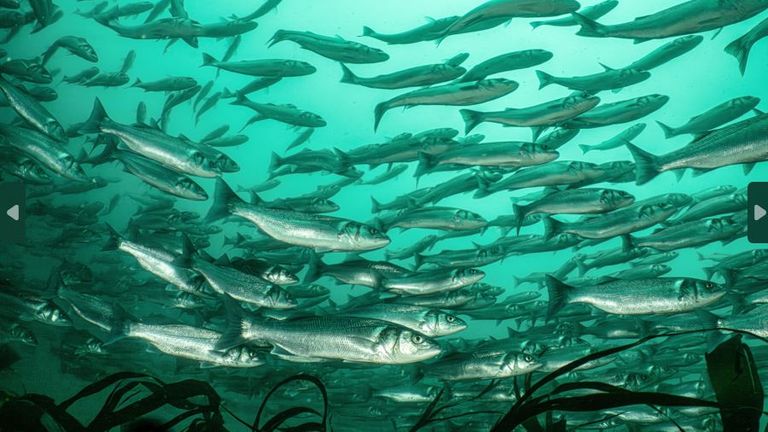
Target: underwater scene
(357, 215)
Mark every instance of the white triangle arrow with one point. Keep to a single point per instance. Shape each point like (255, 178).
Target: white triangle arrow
(13, 212)
(759, 212)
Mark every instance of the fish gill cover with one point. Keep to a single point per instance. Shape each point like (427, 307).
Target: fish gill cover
(383, 216)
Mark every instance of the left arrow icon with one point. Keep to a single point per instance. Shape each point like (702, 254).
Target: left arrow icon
(13, 212)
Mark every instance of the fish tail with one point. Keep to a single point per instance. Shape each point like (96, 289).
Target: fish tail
(552, 226)
(537, 24)
(515, 281)
(471, 119)
(279, 36)
(558, 295)
(315, 268)
(669, 131)
(708, 319)
(589, 27)
(709, 271)
(418, 261)
(367, 31)
(48, 54)
(110, 148)
(119, 324)
(223, 197)
(208, 60)
(276, 162)
(232, 335)
(114, 239)
(583, 269)
(627, 242)
(545, 79)
(375, 205)
(647, 164)
(98, 115)
(348, 76)
(740, 49)
(585, 148)
(427, 162)
(518, 212)
(136, 83)
(378, 114)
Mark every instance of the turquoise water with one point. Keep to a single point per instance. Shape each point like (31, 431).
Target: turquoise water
(694, 82)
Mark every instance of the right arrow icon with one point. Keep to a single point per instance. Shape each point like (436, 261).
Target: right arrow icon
(13, 212)
(759, 212)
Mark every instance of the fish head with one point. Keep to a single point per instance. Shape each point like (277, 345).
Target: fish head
(744, 102)
(689, 41)
(244, 356)
(224, 163)
(364, 235)
(73, 169)
(467, 276)
(87, 50)
(634, 75)
(441, 323)
(407, 346)
(279, 298)
(375, 54)
(23, 334)
(32, 170)
(660, 269)
(618, 198)
(654, 100)
(678, 199)
(279, 275)
(38, 73)
(498, 84)
(538, 55)
(300, 67)
(189, 188)
(521, 363)
(50, 313)
(467, 216)
(697, 291)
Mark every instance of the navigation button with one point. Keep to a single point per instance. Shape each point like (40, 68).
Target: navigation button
(12, 197)
(757, 203)
(13, 212)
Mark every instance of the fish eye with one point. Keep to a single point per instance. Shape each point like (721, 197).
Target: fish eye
(450, 318)
(709, 285)
(528, 358)
(417, 339)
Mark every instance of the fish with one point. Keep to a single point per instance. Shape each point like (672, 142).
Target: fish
(713, 118)
(286, 113)
(328, 338)
(449, 94)
(446, 218)
(228, 28)
(163, 28)
(482, 366)
(389, 174)
(268, 6)
(431, 282)
(692, 16)
(625, 136)
(82, 76)
(574, 201)
(610, 79)
(666, 53)
(32, 111)
(739, 143)
(427, 321)
(166, 84)
(244, 287)
(691, 234)
(618, 112)
(305, 135)
(30, 70)
(741, 47)
(543, 115)
(313, 231)
(253, 86)
(417, 76)
(556, 173)
(75, 45)
(592, 12)
(508, 9)
(509, 155)
(507, 62)
(171, 152)
(46, 151)
(24, 167)
(273, 68)
(432, 30)
(334, 48)
(616, 223)
(636, 297)
(721, 204)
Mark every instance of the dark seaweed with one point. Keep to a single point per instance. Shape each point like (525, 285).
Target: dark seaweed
(134, 397)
